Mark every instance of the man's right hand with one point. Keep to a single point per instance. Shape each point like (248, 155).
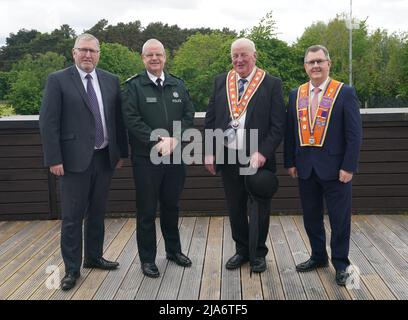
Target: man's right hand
(209, 162)
(57, 170)
(293, 172)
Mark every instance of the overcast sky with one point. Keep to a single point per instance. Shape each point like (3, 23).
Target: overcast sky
(291, 16)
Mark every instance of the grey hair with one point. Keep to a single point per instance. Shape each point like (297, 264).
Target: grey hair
(86, 37)
(152, 41)
(245, 41)
(316, 48)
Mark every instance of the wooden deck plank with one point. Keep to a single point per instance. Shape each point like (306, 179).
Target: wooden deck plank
(327, 275)
(230, 279)
(43, 291)
(360, 291)
(311, 282)
(388, 251)
(39, 277)
(88, 288)
(113, 280)
(378, 248)
(111, 232)
(393, 240)
(383, 268)
(150, 287)
(191, 282)
(170, 285)
(9, 228)
(45, 232)
(395, 227)
(402, 219)
(134, 277)
(19, 236)
(40, 254)
(291, 283)
(211, 277)
(47, 229)
(368, 274)
(271, 283)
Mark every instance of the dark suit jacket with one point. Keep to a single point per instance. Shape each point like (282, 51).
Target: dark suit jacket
(341, 147)
(265, 112)
(67, 124)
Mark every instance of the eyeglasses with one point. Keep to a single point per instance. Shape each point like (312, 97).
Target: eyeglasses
(319, 62)
(151, 55)
(86, 50)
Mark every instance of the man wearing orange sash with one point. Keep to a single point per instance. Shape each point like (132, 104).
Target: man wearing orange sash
(322, 145)
(244, 99)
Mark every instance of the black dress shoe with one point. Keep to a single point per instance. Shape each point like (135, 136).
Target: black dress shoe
(341, 277)
(69, 281)
(150, 269)
(101, 263)
(236, 261)
(259, 265)
(179, 258)
(310, 265)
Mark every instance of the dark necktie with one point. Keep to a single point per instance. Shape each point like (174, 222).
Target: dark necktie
(159, 85)
(241, 87)
(93, 100)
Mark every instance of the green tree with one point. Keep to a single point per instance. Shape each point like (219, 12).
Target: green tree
(120, 60)
(17, 45)
(275, 56)
(28, 78)
(199, 60)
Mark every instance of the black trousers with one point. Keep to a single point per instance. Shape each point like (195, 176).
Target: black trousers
(337, 196)
(163, 184)
(237, 203)
(84, 195)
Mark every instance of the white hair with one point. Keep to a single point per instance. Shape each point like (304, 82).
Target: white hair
(150, 42)
(244, 41)
(86, 37)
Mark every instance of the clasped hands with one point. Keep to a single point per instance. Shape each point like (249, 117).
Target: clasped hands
(166, 145)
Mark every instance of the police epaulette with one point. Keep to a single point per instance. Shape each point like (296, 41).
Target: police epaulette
(134, 76)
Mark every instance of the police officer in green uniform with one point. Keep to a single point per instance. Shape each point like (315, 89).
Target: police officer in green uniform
(152, 100)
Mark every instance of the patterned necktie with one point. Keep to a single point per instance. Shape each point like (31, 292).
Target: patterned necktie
(241, 87)
(159, 85)
(315, 101)
(93, 100)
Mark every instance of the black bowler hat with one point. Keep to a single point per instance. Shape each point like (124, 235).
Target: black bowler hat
(262, 185)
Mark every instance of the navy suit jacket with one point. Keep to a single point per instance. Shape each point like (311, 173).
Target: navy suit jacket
(341, 147)
(68, 126)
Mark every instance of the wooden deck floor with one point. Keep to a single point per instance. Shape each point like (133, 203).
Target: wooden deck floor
(29, 251)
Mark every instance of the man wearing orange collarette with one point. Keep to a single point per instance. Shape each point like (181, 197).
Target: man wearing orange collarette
(322, 145)
(244, 99)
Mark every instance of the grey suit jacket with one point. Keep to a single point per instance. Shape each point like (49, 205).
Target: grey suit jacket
(67, 125)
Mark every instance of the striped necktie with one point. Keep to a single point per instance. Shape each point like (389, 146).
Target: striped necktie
(93, 101)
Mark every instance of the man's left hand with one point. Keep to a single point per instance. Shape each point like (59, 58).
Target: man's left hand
(345, 176)
(257, 160)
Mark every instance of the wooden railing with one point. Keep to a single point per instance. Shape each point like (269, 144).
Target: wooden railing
(28, 191)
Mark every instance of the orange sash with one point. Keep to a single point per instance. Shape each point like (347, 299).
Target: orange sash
(238, 108)
(312, 132)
